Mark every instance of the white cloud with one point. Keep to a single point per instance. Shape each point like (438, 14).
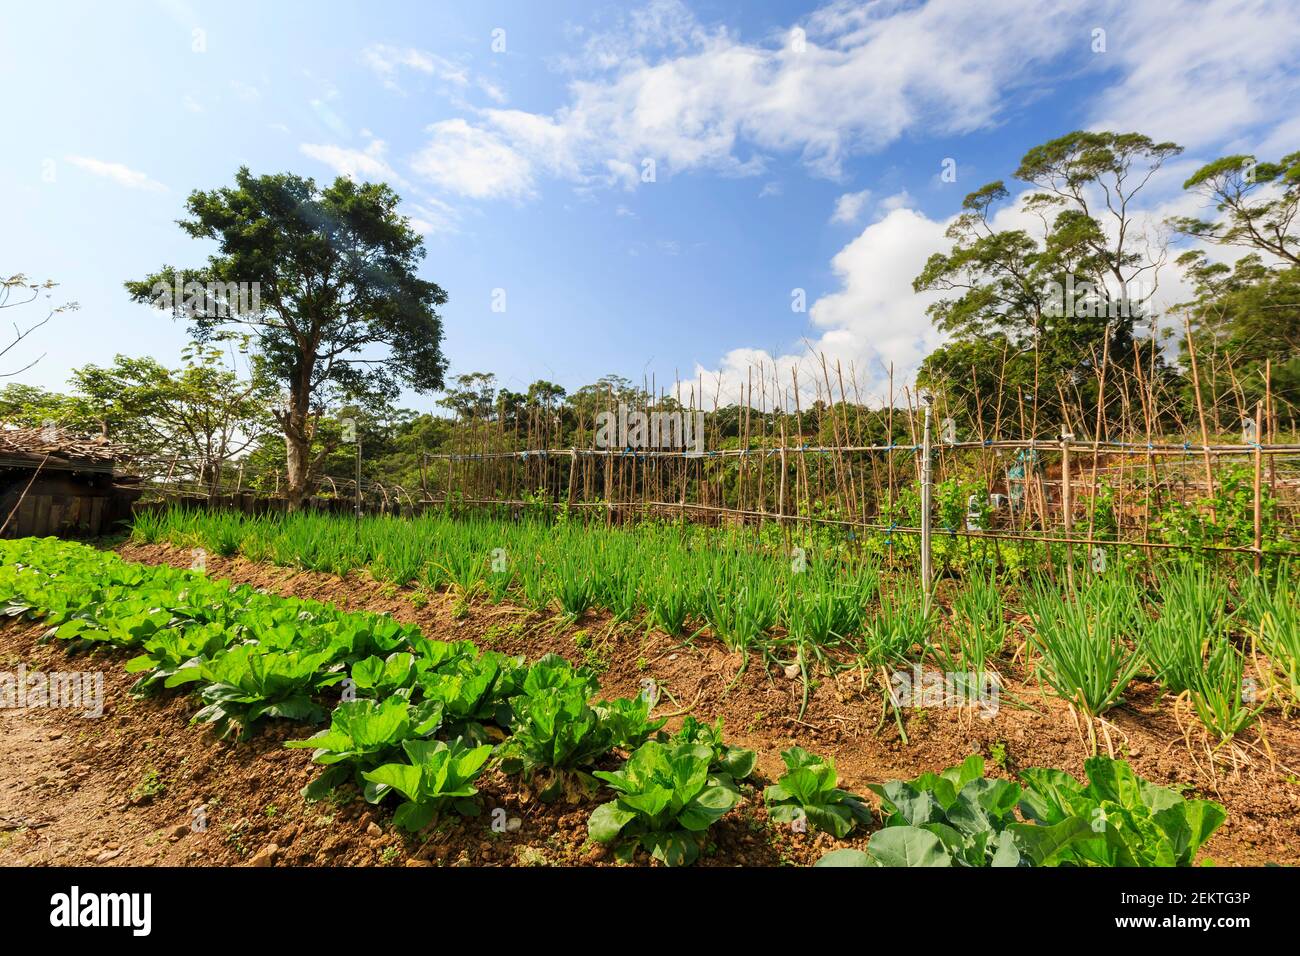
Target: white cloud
(1197, 72)
(541, 138)
(873, 319)
(1280, 141)
(899, 200)
(387, 62)
(493, 90)
(849, 207)
(118, 173)
(473, 162)
(433, 217)
(360, 164)
(773, 188)
(660, 85)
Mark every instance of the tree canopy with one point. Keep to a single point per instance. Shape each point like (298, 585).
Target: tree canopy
(325, 280)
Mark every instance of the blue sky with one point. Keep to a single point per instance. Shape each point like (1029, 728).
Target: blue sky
(795, 146)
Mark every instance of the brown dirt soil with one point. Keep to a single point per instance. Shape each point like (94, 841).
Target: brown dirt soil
(123, 789)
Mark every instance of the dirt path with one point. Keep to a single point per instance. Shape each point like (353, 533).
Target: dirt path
(126, 788)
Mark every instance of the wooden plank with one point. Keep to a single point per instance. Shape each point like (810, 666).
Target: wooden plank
(41, 518)
(96, 522)
(57, 509)
(22, 523)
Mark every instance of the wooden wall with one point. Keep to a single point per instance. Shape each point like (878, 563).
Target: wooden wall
(63, 505)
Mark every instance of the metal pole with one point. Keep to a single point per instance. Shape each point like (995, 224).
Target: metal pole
(358, 477)
(926, 485)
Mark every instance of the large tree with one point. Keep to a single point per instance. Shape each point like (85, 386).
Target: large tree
(325, 279)
(1245, 323)
(1258, 205)
(1036, 316)
(201, 415)
(1245, 318)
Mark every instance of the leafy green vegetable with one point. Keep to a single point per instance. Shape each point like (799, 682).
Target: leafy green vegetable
(628, 720)
(1131, 821)
(808, 791)
(667, 800)
(735, 762)
(960, 818)
(380, 676)
(554, 728)
(438, 775)
(247, 683)
(363, 734)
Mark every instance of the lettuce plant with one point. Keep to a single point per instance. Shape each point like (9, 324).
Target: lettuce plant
(169, 651)
(628, 721)
(960, 818)
(736, 762)
(667, 799)
(808, 791)
(380, 676)
(247, 683)
(438, 775)
(363, 734)
(554, 729)
(552, 671)
(473, 690)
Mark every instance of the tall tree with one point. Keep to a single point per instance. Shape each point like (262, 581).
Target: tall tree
(204, 414)
(1034, 318)
(1245, 322)
(1258, 205)
(325, 279)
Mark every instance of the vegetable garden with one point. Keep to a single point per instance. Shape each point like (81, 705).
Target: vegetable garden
(398, 717)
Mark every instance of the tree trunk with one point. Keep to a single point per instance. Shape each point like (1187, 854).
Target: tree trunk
(297, 441)
(297, 449)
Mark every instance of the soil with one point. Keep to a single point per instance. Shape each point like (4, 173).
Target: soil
(141, 786)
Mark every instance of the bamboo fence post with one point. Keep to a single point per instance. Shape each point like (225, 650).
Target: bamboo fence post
(926, 570)
(1067, 504)
(1259, 474)
(1200, 412)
